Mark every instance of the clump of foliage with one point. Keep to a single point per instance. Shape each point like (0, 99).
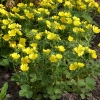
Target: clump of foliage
(50, 46)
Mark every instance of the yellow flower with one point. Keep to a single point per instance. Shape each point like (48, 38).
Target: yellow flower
(53, 58)
(6, 37)
(63, 20)
(5, 21)
(33, 44)
(3, 27)
(27, 50)
(91, 51)
(22, 41)
(12, 44)
(68, 14)
(40, 18)
(33, 56)
(20, 46)
(79, 50)
(69, 20)
(94, 55)
(96, 29)
(99, 9)
(12, 32)
(73, 66)
(25, 60)
(76, 23)
(46, 50)
(61, 48)
(81, 64)
(61, 13)
(99, 45)
(59, 56)
(24, 67)
(31, 4)
(48, 23)
(70, 38)
(60, 1)
(55, 17)
(51, 36)
(38, 36)
(21, 17)
(56, 24)
(62, 27)
(29, 15)
(15, 56)
(14, 9)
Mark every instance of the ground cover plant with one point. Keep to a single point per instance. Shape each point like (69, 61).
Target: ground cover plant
(49, 47)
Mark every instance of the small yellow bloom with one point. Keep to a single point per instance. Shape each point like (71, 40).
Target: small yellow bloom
(79, 50)
(96, 29)
(70, 38)
(99, 9)
(73, 66)
(69, 20)
(76, 23)
(38, 36)
(12, 32)
(60, 1)
(12, 44)
(29, 15)
(33, 44)
(6, 37)
(5, 21)
(99, 45)
(81, 64)
(22, 41)
(25, 60)
(51, 36)
(53, 58)
(61, 13)
(14, 9)
(46, 50)
(59, 56)
(27, 50)
(3, 27)
(62, 27)
(48, 23)
(33, 56)
(31, 4)
(94, 55)
(15, 56)
(40, 18)
(61, 48)
(24, 67)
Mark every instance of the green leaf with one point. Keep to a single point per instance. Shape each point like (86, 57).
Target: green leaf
(53, 97)
(84, 90)
(3, 91)
(57, 91)
(21, 93)
(90, 81)
(50, 90)
(28, 94)
(89, 94)
(34, 77)
(87, 17)
(81, 82)
(4, 62)
(25, 87)
(82, 96)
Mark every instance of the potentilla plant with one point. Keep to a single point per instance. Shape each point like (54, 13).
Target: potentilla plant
(51, 47)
